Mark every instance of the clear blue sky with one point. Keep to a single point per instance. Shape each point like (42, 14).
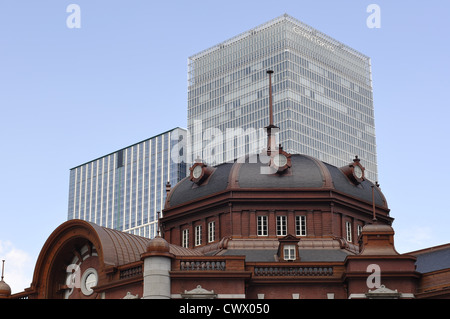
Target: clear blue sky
(68, 96)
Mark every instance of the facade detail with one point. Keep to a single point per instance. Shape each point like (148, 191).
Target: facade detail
(126, 189)
(311, 233)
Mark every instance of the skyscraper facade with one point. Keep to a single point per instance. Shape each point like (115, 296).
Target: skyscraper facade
(126, 189)
(322, 96)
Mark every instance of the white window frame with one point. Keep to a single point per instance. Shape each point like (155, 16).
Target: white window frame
(198, 235)
(289, 252)
(359, 229)
(281, 225)
(211, 231)
(300, 225)
(185, 238)
(348, 231)
(262, 227)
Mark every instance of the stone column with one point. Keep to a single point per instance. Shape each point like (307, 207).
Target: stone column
(157, 265)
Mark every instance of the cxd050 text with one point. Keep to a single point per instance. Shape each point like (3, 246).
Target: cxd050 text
(243, 308)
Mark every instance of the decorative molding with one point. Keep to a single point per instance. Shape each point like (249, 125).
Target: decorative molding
(130, 296)
(199, 293)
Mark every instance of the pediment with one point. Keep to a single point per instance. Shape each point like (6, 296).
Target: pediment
(199, 293)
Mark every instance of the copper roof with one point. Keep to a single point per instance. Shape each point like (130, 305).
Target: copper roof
(5, 289)
(116, 247)
(121, 248)
(306, 173)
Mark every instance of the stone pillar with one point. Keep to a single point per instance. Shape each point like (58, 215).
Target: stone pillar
(157, 265)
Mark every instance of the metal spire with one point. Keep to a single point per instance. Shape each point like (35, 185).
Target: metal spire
(270, 72)
(158, 230)
(374, 218)
(270, 136)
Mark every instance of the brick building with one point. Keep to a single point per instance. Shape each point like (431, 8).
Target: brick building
(308, 231)
(274, 225)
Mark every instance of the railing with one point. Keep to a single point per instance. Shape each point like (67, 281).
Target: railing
(209, 263)
(203, 265)
(131, 272)
(293, 271)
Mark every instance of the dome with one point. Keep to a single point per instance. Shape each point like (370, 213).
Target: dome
(158, 245)
(5, 289)
(305, 173)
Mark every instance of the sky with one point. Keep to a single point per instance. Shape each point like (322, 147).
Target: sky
(70, 95)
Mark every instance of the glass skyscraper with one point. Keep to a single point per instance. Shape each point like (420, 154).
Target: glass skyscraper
(322, 96)
(126, 189)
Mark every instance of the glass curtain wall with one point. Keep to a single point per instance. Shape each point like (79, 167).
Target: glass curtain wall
(126, 189)
(322, 95)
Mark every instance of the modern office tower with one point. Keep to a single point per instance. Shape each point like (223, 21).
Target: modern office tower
(322, 96)
(126, 189)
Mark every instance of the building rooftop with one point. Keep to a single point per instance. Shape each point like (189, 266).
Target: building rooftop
(306, 173)
(432, 259)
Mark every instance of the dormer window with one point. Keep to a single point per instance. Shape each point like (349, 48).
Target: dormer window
(354, 171)
(288, 248)
(289, 252)
(200, 172)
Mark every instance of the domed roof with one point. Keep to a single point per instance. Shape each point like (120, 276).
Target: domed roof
(305, 173)
(5, 289)
(158, 244)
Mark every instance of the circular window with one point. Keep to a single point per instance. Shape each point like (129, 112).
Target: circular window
(88, 281)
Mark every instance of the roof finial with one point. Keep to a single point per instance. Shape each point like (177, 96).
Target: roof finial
(270, 72)
(158, 230)
(3, 268)
(270, 136)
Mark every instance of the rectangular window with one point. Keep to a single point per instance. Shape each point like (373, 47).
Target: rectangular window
(289, 252)
(300, 225)
(119, 158)
(359, 229)
(198, 235)
(211, 232)
(348, 230)
(185, 238)
(281, 226)
(262, 226)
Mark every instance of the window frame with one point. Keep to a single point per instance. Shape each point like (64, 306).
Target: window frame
(211, 231)
(289, 252)
(300, 225)
(348, 231)
(281, 225)
(198, 235)
(185, 238)
(262, 228)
